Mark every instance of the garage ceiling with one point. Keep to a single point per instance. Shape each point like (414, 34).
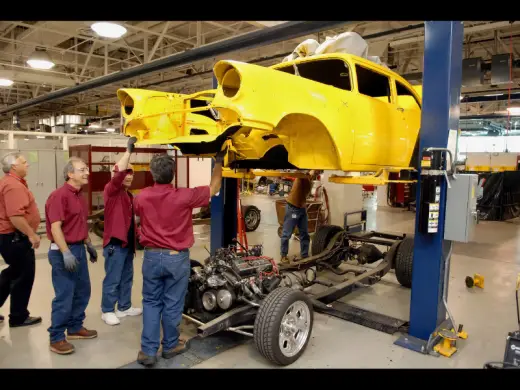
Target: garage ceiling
(81, 55)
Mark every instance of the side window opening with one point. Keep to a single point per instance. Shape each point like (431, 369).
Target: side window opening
(373, 84)
(405, 98)
(196, 103)
(334, 72)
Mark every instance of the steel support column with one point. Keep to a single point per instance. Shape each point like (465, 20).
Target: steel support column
(440, 113)
(223, 211)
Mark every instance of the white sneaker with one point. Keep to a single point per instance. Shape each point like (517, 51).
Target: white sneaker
(110, 319)
(133, 311)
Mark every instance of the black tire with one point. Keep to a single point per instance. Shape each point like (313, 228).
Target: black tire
(404, 262)
(322, 238)
(254, 215)
(268, 322)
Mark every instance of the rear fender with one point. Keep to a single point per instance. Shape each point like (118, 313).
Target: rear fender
(308, 142)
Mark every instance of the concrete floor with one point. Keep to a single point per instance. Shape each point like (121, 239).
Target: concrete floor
(487, 314)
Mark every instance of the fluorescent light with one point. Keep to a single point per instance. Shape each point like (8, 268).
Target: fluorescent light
(40, 60)
(40, 136)
(108, 30)
(514, 110)
(111, 130)
(494, 94)
(93, 126)
(26, 139)
(6, 82)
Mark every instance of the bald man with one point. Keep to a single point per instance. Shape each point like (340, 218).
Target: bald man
(119, 243)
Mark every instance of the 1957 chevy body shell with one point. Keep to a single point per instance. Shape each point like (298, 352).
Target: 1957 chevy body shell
(332, 111)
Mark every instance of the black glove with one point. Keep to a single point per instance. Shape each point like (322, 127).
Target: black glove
(70, 261)
(219, 158)
(92, 252)
(131, 144)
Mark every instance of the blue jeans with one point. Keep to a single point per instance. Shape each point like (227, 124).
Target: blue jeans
(119, 276)
(295, 216)
(72, 293)
(165, 283)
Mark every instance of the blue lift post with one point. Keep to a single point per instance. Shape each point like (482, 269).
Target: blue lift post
(223, 211)
(440, 113)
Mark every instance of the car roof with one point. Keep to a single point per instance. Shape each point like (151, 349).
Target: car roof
(345, 56)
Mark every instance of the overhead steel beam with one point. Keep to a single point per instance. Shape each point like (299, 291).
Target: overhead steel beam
(282, 32)
(158, 41)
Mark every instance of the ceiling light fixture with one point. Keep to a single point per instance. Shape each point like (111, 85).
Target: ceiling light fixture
(514, 110)
(6, 82)
(108, 29)
(40, 59)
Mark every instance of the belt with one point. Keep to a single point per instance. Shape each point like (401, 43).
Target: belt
(72, 243)
(164, 250)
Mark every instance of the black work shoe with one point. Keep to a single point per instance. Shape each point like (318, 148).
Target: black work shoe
(28, 321)
(146, 360)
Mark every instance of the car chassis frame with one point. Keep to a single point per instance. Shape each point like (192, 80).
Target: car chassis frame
(325, 302)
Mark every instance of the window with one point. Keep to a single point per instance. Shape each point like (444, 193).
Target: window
(373, 84)
(330, 72)
(405, 98)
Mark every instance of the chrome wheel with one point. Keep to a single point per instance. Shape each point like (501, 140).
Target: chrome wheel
(294, 328)
(251, 219)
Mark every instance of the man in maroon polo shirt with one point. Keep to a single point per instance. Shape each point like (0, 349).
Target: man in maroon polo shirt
(66, 214)
(19, 220)
(119, 243)
(166, 232)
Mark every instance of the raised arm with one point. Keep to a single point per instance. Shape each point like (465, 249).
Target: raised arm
(117, 181)
(216, 176)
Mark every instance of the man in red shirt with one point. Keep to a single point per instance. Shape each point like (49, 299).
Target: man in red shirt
(19, 220)
(167, 234)
(119, 243)
(66, 214)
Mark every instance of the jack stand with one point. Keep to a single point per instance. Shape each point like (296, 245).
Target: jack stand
(448, 345)
(476, 280)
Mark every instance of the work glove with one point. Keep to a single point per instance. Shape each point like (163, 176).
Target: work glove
(131, 144)
(219, 158)
(92, 252)
(70, 261)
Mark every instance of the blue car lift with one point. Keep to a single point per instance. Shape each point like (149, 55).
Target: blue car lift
(223, 210)
(440, 113)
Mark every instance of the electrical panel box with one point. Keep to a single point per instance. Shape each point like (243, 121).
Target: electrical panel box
(461, 208)
(472, 74)
(500, 64)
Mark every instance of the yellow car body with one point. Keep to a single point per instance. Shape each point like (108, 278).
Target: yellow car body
(332, 111)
